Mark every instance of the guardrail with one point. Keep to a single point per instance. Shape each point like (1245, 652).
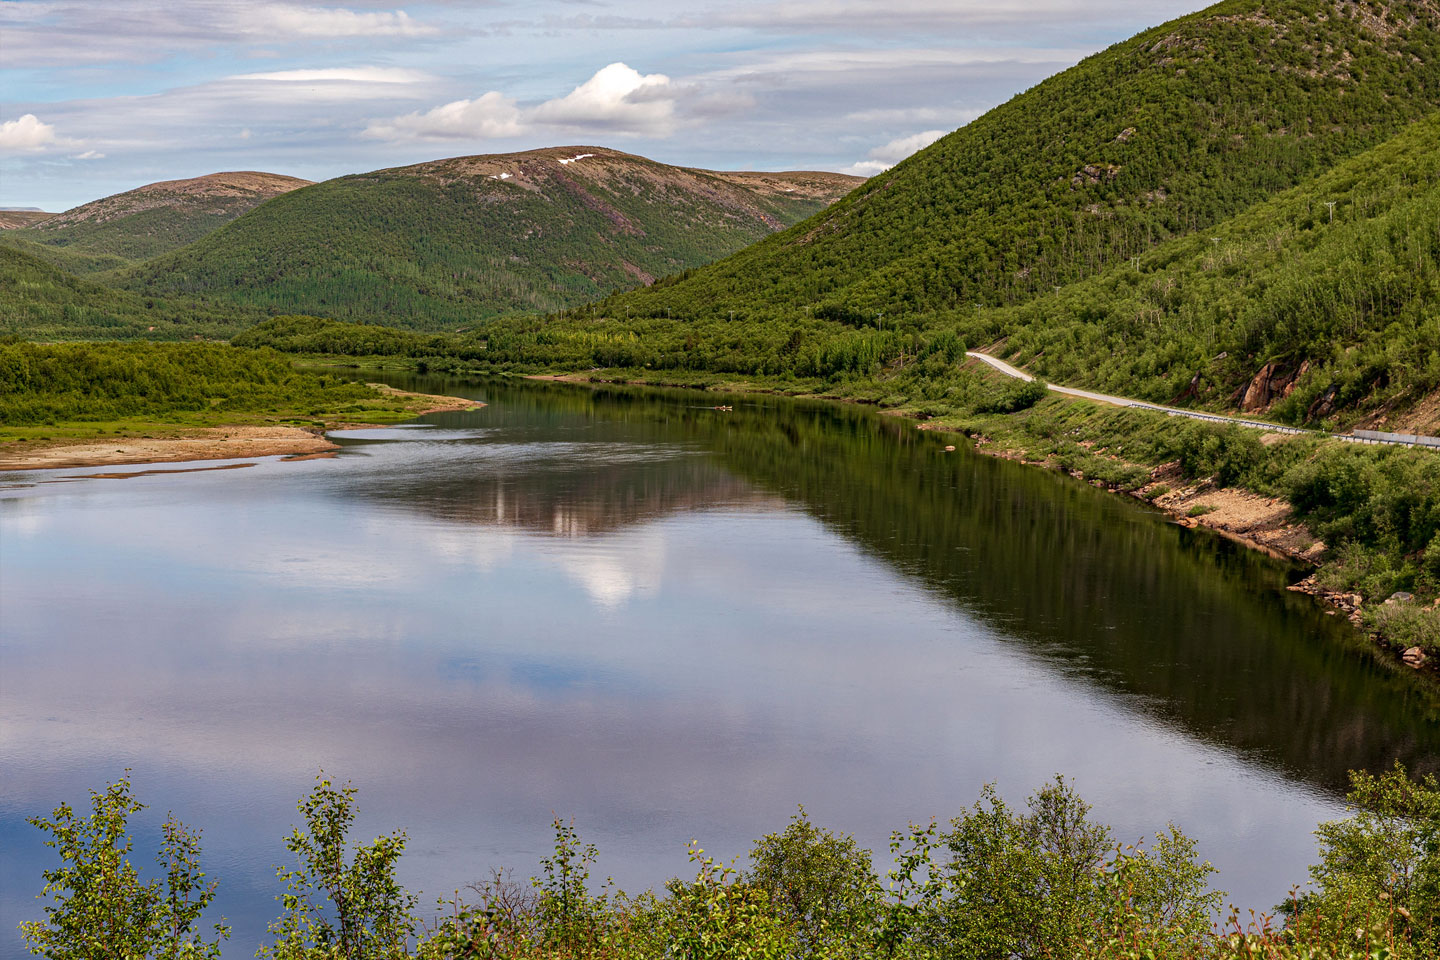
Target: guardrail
(1356, 436)
(1215, 418)
(1408, 439)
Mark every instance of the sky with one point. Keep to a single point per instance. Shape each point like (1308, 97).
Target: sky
(100, 96)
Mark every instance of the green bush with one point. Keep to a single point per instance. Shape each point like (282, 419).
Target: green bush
(1019, 397)
(1042, 883)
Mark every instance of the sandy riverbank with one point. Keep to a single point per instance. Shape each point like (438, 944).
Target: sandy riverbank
(207, 443)
(424, 403)
(211, 443)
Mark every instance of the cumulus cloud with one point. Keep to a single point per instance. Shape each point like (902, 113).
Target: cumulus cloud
(884, 157)
(29, 134)
(491, 115)
(618, 100)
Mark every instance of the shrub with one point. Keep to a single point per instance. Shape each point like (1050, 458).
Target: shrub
(1022, 396)
(102, 910)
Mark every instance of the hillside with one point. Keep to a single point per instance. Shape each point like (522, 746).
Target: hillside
(39, 300)
(1318, 304)
(1160, 136)
(454, 241)
(17, 219)
(149, 220)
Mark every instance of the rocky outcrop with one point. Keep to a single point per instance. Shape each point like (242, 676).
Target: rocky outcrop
(1273, 382)
(1093, 173)
(1324, 404)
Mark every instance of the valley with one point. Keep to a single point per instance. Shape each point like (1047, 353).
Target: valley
(1083, 447)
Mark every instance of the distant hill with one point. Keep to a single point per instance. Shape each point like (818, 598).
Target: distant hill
(1160, 136)
(149, 220)
(455, 241)
(16, 219)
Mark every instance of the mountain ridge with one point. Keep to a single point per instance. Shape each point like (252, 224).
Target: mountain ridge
(1158, 136)
(148, 220)
(451, 241)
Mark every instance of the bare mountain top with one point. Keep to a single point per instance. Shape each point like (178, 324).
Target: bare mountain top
(217, 194)
(565, 168)
(17, 219)
(816, 184)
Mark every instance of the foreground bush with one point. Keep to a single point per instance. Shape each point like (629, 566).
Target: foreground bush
(1045, 882)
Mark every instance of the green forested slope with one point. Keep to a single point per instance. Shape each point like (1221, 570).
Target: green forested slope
(1313, 315)
(455, 241)
(1162, 135)
(42, 301)
(1323, 299)
(119, 230)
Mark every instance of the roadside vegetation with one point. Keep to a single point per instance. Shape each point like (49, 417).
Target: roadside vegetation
(997, 882)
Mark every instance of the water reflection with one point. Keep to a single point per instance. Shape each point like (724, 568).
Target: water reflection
(1200, 630)
(667, 622)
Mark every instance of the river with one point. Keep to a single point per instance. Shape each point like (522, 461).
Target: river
(664, 621)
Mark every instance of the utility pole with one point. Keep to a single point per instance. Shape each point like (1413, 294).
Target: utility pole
(1135, 262)
(1331, 205)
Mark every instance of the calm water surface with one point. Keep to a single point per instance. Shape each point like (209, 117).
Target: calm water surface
(665, 622)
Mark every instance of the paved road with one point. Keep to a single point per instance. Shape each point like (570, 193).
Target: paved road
(1370, 436)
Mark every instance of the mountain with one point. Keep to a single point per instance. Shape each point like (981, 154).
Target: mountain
(148, 220)
(1159, 136)
(453, 241)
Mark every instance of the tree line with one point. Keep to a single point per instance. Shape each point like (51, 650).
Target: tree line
(997, 882)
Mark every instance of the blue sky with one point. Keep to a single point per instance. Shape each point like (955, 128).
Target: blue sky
(100, 96)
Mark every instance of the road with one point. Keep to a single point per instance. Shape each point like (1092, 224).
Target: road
(1363, 436)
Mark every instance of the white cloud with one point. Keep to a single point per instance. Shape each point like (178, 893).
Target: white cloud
(29, 134)
(90, 155)
(492, 115)
(329, 85)
(287, 19)
(617, 99)
(867, 168)
(898, 149)
(884, 157)
(339, 75)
